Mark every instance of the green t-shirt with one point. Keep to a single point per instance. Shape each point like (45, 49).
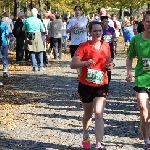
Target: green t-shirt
(140, 48)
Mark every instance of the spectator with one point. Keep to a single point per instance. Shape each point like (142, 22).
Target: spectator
(20, 37)
(56, 28)
(52, 17)
(4, 34)
(8, 21)
(64, 34)
(33, 26)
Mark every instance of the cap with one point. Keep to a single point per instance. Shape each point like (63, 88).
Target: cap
(104, 17)
(20, 14)
(52, 15)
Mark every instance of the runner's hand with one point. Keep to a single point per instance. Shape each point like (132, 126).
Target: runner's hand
(84, 30)
(109, 64)
(75, 26)
(90, 62)
(129, 78)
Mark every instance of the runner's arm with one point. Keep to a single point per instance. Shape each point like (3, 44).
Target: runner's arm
(78, 63)
(129, 65)
(69, 30)
(114, 37)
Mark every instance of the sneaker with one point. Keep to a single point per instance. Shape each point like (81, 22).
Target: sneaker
(35, 69)
(5, 74)
(147, 147)
(48, 64)
(42, 69)
(99, 148)
(86, 143)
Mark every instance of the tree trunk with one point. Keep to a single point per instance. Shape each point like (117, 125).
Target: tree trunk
(15, 8)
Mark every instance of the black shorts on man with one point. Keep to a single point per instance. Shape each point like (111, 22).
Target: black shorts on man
(141, 89)
(73, 48)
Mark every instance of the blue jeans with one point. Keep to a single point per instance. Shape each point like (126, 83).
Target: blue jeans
(57, 41)
(64, 39)
(4, 52)
(37, 59)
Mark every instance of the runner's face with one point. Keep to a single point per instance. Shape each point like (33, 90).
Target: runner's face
(146, 23)
(114, 17)
(102, 12)
(77, 11)
(96, 32)
(105, 23)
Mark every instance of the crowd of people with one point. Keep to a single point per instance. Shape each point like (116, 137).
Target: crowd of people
(93, 46)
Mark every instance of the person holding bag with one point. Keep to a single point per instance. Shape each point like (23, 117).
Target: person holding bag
(34, 26)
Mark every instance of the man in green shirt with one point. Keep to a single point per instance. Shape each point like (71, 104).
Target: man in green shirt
(140, 48)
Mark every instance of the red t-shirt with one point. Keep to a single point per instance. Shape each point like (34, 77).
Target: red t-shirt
(87, 51)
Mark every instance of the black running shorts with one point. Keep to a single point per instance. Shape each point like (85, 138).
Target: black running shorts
(141, 89)
(88, 93)
(73, 48)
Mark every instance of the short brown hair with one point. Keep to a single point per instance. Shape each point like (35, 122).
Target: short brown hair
(77, 6)
(57, 16)
(93, 23)
(146, 13)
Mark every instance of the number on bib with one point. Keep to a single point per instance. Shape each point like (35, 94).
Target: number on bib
(95, 76)
(146, 63)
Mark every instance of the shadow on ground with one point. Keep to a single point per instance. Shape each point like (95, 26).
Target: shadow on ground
(62, 91)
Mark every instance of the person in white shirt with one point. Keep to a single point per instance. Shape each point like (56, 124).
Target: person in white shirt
(117, 26)
(64, 34)
(8, 21)
(77, 26)
(102, 12)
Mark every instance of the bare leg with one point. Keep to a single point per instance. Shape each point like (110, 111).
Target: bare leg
(87, 116)
(98, 105)
(143, 103)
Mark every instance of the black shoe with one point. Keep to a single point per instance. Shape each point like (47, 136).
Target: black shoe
(5, 74)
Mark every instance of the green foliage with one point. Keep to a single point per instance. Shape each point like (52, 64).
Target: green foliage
(65, 6)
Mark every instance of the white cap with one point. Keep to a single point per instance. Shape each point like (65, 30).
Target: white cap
(34, 12)
(20, 14)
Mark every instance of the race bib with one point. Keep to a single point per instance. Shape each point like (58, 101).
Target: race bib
(77, 31)
(107, 38)
(95, 76)
(146, 63)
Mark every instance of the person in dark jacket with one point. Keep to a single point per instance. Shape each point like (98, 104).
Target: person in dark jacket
(20, 37)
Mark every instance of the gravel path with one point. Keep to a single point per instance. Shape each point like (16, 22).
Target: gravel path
(41, 111)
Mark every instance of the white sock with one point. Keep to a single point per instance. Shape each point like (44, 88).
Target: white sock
(98, 146)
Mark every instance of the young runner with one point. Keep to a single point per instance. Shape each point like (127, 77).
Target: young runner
(94, 58)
